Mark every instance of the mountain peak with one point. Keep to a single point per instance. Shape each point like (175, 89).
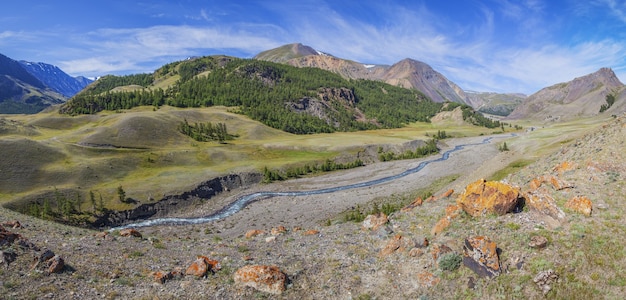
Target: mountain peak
(287, 52)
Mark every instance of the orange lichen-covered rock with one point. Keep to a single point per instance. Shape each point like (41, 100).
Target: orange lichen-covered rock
(485, 197)
(440, 226)
(480, 254)
(269, 279)
(417, 202)
(540, 201)
(564, 167)
(397, 244)
(447, 194)
(311, 232)
(535, 183)
(202, 265)
(452, 211)
(161, 277)
(374, 222)
(278, 230)
(580, 204)
(130, 232)
(558, 184)
(254, 232)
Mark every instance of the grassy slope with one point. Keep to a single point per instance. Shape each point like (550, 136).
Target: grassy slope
(142, 151)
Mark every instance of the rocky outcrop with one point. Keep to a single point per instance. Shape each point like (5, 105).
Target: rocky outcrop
(480, 254)
(165, 206)
(269, 279)
(489, 197)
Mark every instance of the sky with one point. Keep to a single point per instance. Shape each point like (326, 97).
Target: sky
(481, 45)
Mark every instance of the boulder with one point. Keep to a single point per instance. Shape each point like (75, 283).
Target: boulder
(254, 232)
(202, 265)
(7, 257)
(373, 222)
(269, 279)
(489, 197)
(130, 232)
(580, 204)
(541, 202)
(545, 279)
(13, 224)
(538, 242)
(7, 237)
(278, 230)
(161, 277)
(480, 254)
(56, 264)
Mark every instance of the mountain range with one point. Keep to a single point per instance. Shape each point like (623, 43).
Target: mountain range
(583, 96)
(28, 87)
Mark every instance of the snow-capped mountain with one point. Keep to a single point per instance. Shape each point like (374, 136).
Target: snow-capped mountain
(56, 79)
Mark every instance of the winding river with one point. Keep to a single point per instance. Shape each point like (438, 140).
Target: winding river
(243, 201)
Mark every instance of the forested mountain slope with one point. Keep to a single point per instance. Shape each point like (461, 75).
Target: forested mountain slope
(296, 100)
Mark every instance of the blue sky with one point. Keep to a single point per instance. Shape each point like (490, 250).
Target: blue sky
(482, 45)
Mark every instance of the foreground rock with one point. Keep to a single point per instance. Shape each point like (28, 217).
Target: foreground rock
(202, 266)
(480, 254)
(489, 197)
(580, 204)
(269, 279)
(545, 279)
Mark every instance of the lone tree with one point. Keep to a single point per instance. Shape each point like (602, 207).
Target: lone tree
(121, 194)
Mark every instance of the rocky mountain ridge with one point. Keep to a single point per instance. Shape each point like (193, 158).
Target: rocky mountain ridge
(55, 78)
(22, 92)
(581, 97)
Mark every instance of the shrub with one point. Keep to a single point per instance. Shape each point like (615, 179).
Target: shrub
(450, 261)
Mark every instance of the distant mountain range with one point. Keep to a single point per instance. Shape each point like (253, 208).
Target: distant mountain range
(56, 79)
(27, 87)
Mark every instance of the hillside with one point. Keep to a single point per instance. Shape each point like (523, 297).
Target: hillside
(295, 100)
(21, 92)
(533, 254)
(580, 97)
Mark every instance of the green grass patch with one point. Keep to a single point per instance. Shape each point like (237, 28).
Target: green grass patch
(510, 168)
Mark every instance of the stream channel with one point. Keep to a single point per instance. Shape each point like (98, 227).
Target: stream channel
(243, 201)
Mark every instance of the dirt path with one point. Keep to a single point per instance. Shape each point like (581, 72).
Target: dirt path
(470, 164)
